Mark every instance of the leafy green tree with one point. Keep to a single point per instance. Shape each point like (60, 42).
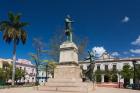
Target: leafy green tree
(127, 73)
(7, 69)
(98, 72)
(5, 72)
(98, 75)
(13, 30)
(110, 74)
(19, 74)
(8, 72)
(113, 75)
(138, 72)
(2, 77)
(98, 78)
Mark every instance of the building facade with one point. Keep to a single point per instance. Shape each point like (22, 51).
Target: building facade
(26, 65)
(42, 77)
(107, 63)
(29, 68)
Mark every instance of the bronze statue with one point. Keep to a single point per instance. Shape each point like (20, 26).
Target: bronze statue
(89, 74)
(68, 28)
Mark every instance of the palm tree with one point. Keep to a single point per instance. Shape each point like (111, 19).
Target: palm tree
(13, 31)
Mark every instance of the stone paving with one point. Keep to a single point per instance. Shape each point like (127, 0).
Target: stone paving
(114, 90)
(97, 90)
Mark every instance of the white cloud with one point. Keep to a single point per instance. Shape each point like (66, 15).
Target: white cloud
(125, 52)
(125, 19)
(98, 51)
(135, 51)
(137, 41)
(132, 55)
(115, 54)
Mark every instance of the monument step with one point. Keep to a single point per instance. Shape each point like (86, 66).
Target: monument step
(64, 80)
(64, 89)
(62, 84)
(62, 92)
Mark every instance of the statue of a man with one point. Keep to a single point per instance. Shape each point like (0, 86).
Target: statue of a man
(89, 73)
(68, 28)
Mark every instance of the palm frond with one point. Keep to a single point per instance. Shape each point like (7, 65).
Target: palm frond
(17, 18)
(6, 37)
(11, 16)
(11, 33)
(23, 36)
(4, 25)
(23, 24)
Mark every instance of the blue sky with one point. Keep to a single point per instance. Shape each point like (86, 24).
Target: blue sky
(110, 25)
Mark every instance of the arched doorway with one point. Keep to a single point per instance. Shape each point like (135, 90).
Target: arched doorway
(106, 78)
(126, 82)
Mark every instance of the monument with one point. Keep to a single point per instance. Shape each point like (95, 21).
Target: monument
(67, 74)
(68, 62)
(68, 50)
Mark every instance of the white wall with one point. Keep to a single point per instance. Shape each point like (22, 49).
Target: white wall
(119, 65)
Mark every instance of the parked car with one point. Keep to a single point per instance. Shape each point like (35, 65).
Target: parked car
(129, 86)
(136, 86)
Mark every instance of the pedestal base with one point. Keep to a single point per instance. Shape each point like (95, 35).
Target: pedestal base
(67, 79)
(72, 72)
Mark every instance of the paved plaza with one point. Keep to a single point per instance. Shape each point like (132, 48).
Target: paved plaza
(98, 90)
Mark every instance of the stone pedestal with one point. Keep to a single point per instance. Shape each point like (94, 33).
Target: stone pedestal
(68, 67)
(67, 72)
(68, 53)
(67, 75)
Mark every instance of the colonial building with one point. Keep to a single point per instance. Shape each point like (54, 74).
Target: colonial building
(29, 68)
(24, 64)
(42, 77)
(106, 63)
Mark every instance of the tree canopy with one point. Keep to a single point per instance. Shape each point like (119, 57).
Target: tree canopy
(127, 72)
(13, 28)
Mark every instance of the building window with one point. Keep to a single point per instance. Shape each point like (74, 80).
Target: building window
(32, 70)
(24, 78)
(98, 67)
(24, 68)
(114, 67)
(20, 68)
(106, 67)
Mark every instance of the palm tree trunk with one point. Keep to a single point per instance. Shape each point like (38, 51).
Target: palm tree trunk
(14, 63)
